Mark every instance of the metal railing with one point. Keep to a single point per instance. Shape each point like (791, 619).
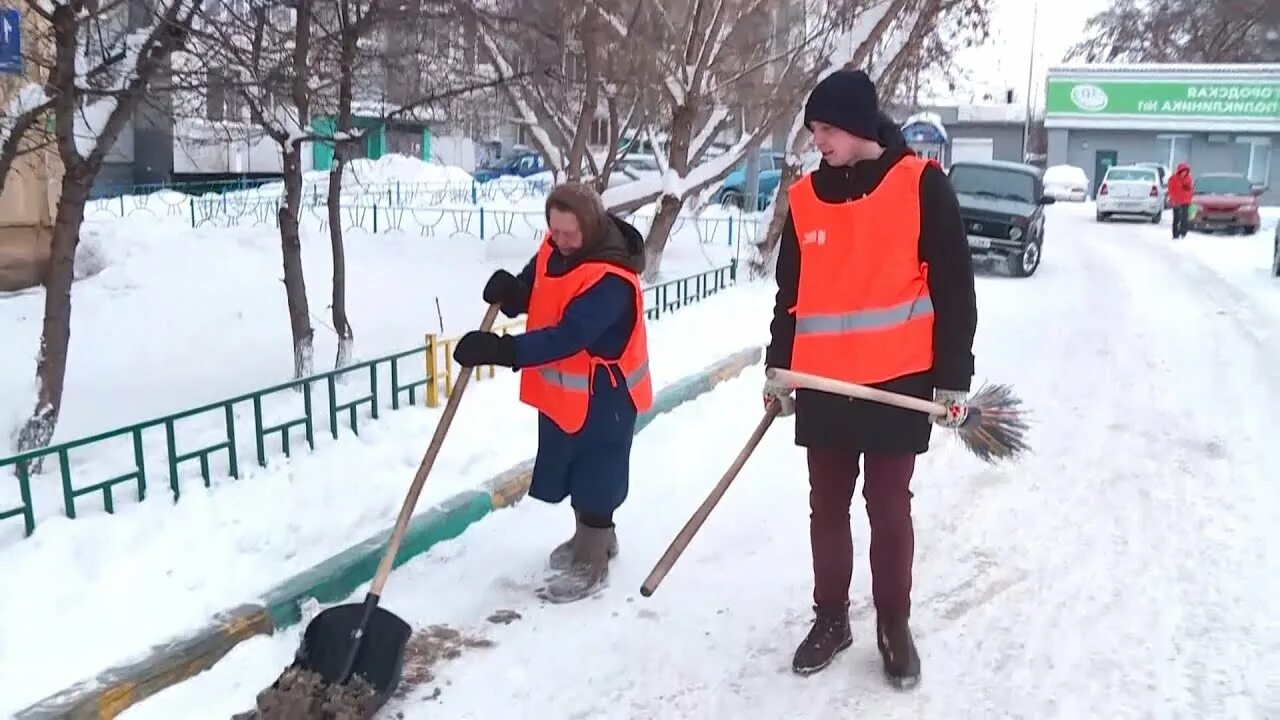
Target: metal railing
(171, 199)
(274, 417)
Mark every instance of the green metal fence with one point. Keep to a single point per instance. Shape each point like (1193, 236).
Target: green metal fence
(277, 417)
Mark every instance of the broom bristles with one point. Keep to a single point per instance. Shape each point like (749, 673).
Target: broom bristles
(996, 426)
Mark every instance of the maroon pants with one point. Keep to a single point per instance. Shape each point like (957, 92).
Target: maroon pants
(887, 491)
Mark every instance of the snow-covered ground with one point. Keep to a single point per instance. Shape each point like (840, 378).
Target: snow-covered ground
(159, 569)
(1126, 569)
(1244, 260)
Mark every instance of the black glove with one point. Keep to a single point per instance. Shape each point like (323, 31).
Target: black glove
(502, 288)
(478, 348)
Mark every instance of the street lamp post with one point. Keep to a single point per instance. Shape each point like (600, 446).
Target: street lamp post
(1031, 69)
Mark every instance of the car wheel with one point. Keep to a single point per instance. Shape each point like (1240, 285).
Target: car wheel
(1251, 230)
(1102, 217)
(1155, 219)
(1024, 264)
(732, 199)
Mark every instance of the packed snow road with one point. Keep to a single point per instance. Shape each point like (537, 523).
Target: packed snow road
(1126, 569)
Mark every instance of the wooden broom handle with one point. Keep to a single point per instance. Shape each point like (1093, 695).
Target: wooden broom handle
(848, 389)
(428, 460)
(694, 524)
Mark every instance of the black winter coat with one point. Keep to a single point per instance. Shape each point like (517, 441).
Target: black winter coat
(825, 420)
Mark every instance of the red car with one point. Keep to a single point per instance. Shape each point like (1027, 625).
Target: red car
(1225, 201)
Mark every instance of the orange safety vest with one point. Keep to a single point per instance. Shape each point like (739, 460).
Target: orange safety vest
(863, 311)
(561, 390)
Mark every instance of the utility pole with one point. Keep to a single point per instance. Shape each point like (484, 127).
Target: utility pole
(1031, 69)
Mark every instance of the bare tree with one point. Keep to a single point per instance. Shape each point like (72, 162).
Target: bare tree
(886, 39)
(718, 59)
(1191, 31)
(595, 93)
(103, 58)
(266, 51)
(419, 66)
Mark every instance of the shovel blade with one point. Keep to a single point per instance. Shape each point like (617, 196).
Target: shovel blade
(327, 642)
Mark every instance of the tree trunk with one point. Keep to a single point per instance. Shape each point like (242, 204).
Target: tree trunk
(659, 233)
(55, 337)
(295, 285)
(765, 248)
(346, 71)
(341, 326)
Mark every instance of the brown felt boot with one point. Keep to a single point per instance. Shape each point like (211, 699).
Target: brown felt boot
(588, 568)
(562, 557)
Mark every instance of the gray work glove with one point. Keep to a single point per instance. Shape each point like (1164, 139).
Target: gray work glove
(957, 404)
(775, 391)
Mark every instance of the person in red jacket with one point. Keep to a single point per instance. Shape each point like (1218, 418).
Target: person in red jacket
(1181, 189)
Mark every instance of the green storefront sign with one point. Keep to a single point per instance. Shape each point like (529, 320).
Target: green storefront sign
(1254, 100)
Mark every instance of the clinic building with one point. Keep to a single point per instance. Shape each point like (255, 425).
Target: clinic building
(1218, 118)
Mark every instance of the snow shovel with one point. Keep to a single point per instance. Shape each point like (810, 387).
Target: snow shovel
(692, 527)
(365, 640)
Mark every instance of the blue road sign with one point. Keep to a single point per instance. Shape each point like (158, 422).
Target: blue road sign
(10, 42)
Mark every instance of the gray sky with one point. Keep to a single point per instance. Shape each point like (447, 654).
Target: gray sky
(1003, 60)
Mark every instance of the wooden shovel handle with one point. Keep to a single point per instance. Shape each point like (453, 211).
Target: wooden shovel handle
(848, 389)
(694, 524)
(428, 460)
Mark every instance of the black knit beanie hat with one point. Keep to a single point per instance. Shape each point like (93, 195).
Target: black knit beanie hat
(845, 99)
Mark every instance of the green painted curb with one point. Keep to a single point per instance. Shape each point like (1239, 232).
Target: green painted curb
(339, 576)
(116, 689)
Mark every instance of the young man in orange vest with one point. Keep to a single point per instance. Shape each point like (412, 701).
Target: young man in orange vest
(584, 363)
(875, 286)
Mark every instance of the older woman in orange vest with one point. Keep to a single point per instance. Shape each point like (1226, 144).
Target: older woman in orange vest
(584, 363)
(876, 287)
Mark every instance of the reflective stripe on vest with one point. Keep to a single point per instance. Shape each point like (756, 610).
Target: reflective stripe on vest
(561, 390)
(863, 312)
(865, 320)
(582, 383)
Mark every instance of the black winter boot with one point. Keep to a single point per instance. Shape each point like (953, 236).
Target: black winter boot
(898, 652)
(829, 636)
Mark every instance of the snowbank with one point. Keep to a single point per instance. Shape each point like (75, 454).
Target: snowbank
(395, 168)
(176, 318)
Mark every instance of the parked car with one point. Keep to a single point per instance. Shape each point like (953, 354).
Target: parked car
(1066, 182)
(1225, 201)
(1130, 190)
(1163, 172)
(734, 189)
(1002, 204)
(519, 163)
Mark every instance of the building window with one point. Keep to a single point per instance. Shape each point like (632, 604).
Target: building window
(599, 136)
(575, 68)
(222, 101)
(1253, 159)
(1173, 149)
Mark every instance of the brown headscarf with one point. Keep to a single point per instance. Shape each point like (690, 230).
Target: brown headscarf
(605, 238)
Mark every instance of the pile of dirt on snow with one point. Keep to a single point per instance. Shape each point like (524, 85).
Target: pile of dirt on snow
(303, 695)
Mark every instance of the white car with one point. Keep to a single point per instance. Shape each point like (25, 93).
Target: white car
(1066, 182)
(1130, 190)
